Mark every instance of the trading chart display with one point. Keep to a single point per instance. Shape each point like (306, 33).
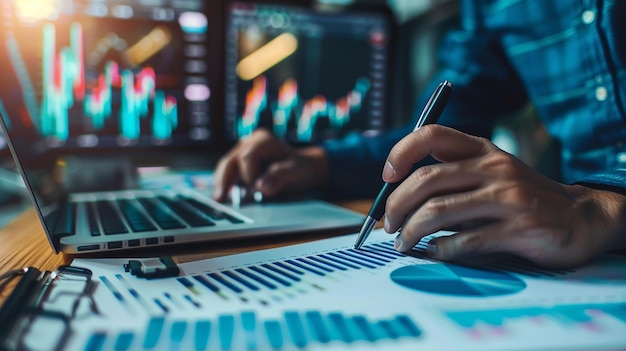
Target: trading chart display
(87, 74)
(304, 74)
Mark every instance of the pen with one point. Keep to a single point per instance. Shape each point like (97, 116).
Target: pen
(430, 114)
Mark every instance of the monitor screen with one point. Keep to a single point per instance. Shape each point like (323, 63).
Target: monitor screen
(308, 75)
(91, 74)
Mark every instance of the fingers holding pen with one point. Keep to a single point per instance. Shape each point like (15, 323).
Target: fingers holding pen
(442, 212)
(519, 211)
(441, 195)
(443, 143)
(510, 208)
(464, 187)
(426, 186)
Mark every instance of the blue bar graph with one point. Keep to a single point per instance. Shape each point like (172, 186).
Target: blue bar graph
(95, 342)
(305, 299)
(153, 332)
(124, 341)
(177, 334)
(226, 330)
(296, 329)
(249, 331)
(274, 334)
(248, 321)
(202, 334)
(318, 327)
(285, 278)
(568, 316)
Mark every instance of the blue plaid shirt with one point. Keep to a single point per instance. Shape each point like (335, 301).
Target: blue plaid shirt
(566, 57)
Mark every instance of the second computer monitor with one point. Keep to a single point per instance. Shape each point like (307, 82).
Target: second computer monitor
(306, 74)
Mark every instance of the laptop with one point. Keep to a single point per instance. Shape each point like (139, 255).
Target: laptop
(95, 93)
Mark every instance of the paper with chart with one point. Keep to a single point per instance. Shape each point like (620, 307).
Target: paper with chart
(326, 295)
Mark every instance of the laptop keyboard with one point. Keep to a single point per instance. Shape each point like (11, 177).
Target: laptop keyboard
(122, 216)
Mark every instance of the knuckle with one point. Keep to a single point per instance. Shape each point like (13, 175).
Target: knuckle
(517, 195)
(528, 224)
(509, 193)
(425, 173)
(436, 207)
(502, 163)
(461, 245)
(472, 242)
(261, 133)
(247, 154)
(281, 171)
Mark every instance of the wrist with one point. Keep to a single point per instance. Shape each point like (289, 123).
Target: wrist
(605, 213)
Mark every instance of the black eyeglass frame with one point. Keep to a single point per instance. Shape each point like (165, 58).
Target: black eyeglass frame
(27, 303)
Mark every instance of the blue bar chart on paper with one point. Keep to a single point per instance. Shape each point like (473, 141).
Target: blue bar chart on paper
(590, 318)
(246, 331)
(325, 294)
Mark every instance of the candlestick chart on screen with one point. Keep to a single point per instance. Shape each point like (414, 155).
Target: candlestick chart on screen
(118, 80)
(306, 76)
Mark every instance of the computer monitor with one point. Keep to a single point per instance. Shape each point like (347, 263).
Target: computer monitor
(92, 75)
(304, 73)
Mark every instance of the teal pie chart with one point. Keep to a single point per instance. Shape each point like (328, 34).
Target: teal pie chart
(450, 279)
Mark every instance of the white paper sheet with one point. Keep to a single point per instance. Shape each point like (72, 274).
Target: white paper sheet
(447, 307)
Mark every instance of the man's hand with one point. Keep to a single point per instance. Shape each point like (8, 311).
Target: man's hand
(269, 165)
(521, 211)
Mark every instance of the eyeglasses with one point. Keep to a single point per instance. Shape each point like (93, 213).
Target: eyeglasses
(44, 303)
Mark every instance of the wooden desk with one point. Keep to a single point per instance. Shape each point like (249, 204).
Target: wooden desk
(23, 243)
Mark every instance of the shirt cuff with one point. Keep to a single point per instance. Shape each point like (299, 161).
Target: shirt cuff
(612, 181)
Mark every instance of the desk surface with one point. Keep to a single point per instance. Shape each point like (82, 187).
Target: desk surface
(23, 243)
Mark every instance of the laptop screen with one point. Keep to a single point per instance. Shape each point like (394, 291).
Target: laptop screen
(86, 74)
(304, 73)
